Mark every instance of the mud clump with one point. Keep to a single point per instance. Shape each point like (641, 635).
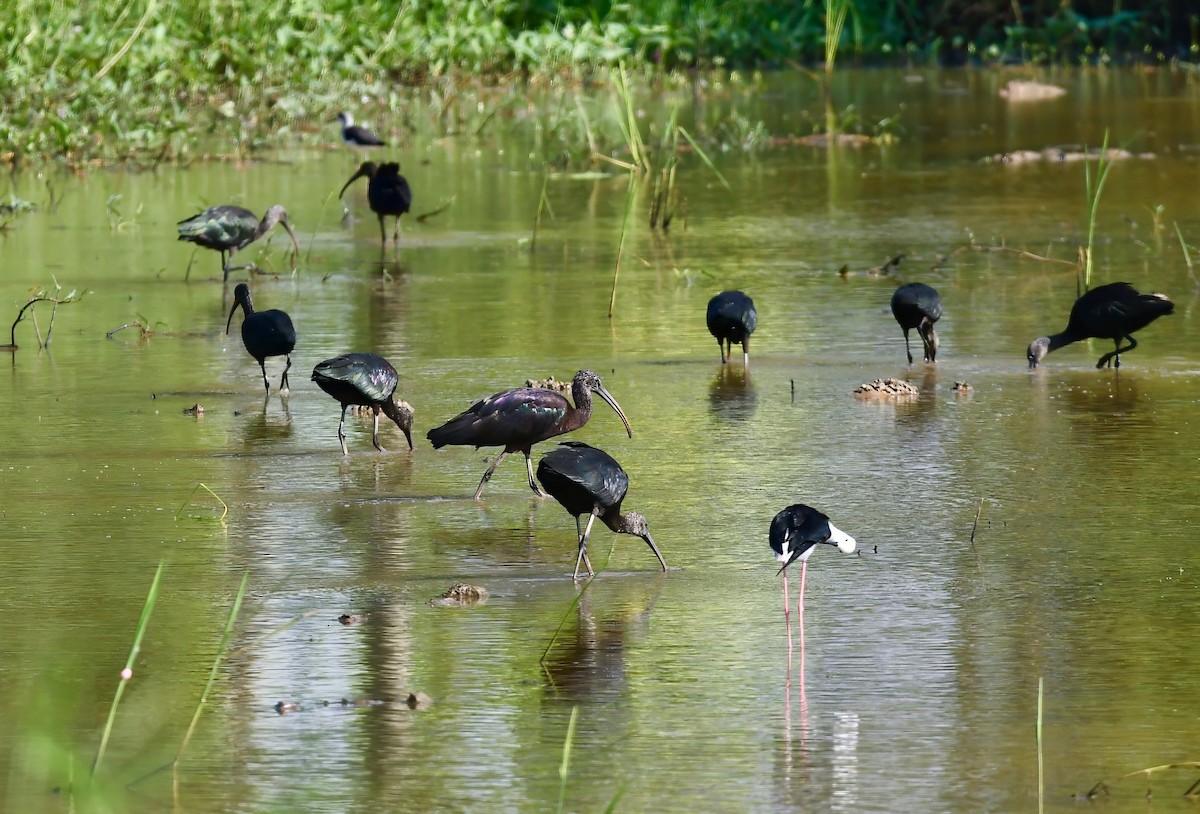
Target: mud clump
(881, 389)
(550, 384)
(460, 594)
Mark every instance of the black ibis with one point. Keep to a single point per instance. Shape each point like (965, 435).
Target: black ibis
(795, 533)
(517, 419)
(732, 318)
(916, 305)
(388, 193)
(367, 380)
(586, 480)
(264, 333)
(229, 228)
(1112, 311)
(355, 135)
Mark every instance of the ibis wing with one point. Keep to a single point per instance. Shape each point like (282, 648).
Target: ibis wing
(513, 418)
(389, 191)
(590, 470)
(371, 375)
(219, 227)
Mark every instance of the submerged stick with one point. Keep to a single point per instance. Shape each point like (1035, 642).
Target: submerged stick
(127, 673)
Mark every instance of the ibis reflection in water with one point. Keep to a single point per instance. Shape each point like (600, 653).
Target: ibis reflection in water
(517, 419)
(916, 305)
(230, 228)
(388, 193)
(732, 318)
(586, 480)
(795, 534)
(264, 333)
(355, 135)
(368, 381)
(1112, 311)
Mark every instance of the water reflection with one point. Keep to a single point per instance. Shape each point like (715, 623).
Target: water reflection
(731, 396)
(586, 665)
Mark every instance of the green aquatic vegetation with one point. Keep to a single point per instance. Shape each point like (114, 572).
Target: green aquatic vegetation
(56, 299)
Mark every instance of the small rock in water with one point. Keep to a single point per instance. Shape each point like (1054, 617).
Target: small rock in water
(418, 700)
(284, 707)
(460, 594)
(963, 388)
(195, 409)
(550, 384)
(886, 389)
(352, 618)
(1021, 90)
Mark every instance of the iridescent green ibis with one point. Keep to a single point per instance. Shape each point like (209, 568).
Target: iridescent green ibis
(229, 228)
(586, 480)
(264, 333)
(355, 135)
(388, 193)
(916, 305)
(732, 318)
(1112, 311)
(517, 419)
(368, 381)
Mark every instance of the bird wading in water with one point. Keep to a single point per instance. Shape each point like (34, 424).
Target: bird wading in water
(519, 418)
(1112, 311)
(368, 381)
(587, 480)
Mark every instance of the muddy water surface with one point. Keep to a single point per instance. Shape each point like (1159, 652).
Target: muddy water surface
(921, 657)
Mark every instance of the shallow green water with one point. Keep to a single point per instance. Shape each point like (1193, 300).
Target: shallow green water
(921, 657)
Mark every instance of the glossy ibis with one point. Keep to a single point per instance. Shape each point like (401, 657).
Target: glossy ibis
(732, 318)
(916, 305)
(264, 333)
(795, 533)
(367, 380)
(586, 480)
(229, 228)
(388, 193)
(355, 135)
(517, 419)
(1112, 311)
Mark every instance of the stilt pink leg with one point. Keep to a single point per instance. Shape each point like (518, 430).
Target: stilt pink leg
(787, 620)
(800, 602)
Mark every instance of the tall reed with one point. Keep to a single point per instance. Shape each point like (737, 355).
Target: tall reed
(1093, 188)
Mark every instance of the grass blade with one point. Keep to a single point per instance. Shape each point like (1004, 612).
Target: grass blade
(212, 674)
(612, 300)
(704, 157)
(565, 766)
(127, 673)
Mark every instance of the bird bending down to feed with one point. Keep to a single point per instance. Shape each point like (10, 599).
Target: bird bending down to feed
(795, 533)
(388, 193)
(369, 381)
(264, 333)
(230, 228)
(732, 318)
(517, 419)
(355, 135)
(1112, 311)
(916, 305)
(586, 480)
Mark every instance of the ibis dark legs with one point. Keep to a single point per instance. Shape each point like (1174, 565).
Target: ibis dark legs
(487, 476)
(1115, 356)
(375, 430)
(583, 557)
(342, 430)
